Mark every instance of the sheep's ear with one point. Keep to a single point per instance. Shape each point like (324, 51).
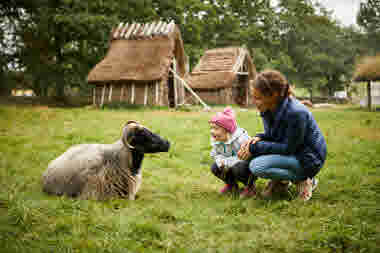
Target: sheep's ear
(129, 131)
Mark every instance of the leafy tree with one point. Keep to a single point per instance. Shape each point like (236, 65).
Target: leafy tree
(57, 42)
(316, 52)
(369, 19)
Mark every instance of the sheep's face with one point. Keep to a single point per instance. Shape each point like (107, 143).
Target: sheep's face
(143, 140)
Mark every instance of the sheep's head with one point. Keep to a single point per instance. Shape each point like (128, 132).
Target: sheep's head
(138, 137)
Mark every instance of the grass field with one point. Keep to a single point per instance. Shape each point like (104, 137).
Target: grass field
(178, 208)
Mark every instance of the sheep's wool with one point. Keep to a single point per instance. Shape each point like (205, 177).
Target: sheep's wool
(96, 171)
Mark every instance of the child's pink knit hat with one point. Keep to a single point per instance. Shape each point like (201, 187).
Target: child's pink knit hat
(225, 119)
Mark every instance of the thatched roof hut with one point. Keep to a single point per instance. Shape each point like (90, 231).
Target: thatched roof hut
(136, 68)
(368, 70)
(223, 76)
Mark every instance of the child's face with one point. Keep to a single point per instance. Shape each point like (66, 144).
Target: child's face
(218, 133)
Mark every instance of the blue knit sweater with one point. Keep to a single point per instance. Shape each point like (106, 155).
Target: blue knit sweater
(292, 130)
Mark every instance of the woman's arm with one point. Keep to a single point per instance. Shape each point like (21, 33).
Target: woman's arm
(295, 135)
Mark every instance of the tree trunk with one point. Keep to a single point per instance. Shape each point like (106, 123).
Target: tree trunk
(60, 91)
(369, 95)
(311, 95)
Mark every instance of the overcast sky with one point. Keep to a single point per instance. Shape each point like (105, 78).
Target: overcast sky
(344, 10)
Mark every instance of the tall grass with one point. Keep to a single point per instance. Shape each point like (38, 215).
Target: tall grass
(178, 208)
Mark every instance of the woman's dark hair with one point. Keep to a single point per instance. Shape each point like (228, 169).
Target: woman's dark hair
(270, 81)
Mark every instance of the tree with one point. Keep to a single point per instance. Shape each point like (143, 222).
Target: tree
(369, 19)
(317, 51)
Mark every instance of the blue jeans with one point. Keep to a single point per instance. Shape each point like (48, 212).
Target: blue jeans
(277, 167)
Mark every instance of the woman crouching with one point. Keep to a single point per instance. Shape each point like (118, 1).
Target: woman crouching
(292, 147)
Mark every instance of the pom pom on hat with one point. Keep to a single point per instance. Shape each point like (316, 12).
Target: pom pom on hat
(225, 119)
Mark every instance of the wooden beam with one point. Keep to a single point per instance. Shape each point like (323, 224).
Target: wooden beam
(136, 29)
(103, 92)
(369, 95)
(122, 92)
(167, 29)
(145, 28)
(157, 86)
(157, 28)
(133, 94)
(247, 94)
(117, 32)
(146, 94)
(163, 28)
(124, 30)
(171, 27)
(130, 30)
(205, 106)
(150, 30)
(175, 83)
(110, 94)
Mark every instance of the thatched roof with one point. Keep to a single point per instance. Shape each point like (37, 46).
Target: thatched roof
(368, 69)
(140, 52)
(218, 68)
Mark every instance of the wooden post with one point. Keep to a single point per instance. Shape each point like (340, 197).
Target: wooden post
(94, 94)
(133, 94)
(146, 94)
(157, 85)
(122, 92)
(103, 92)
(247, 93)
(110, 95)
(205, 106)
(369, 95)
(175, 83)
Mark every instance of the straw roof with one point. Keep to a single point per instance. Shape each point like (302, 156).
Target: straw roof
(218, 68)
(140, 52)
(368, 69)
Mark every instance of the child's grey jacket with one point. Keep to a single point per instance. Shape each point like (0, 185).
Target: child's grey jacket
(225, 153)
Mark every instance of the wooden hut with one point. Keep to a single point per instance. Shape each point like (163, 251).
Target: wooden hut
(368, 70)
(137, 68)
(223, 76)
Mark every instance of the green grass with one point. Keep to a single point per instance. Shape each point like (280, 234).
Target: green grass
(178, 208)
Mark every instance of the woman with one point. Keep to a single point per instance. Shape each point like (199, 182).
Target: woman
(292, 147)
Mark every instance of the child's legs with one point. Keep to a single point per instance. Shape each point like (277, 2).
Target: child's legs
(277, 167)
(242, 173)
(228, 177)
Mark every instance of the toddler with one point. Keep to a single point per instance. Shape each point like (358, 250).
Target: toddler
(226, 139)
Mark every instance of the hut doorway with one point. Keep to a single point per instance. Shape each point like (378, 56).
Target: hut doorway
(242, 95)
(172, 85)
(171, 91)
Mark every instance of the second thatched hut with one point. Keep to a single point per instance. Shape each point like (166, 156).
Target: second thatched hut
(223, 76)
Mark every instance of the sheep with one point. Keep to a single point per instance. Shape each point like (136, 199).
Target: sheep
(103, 171)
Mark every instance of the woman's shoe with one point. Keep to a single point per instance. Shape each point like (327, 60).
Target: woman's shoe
(305, 189)
(275, 186)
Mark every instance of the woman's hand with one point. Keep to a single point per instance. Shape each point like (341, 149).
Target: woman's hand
(244, 153)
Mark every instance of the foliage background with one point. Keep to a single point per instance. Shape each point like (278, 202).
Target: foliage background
(48, 45)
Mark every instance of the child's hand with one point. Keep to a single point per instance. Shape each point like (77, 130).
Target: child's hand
(254, 140)
(223, 167)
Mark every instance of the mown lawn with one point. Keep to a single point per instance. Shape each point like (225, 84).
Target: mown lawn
(178, 208)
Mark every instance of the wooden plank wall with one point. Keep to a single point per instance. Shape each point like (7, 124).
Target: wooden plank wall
(149, 93)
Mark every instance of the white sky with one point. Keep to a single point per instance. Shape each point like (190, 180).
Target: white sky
(344, 10)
